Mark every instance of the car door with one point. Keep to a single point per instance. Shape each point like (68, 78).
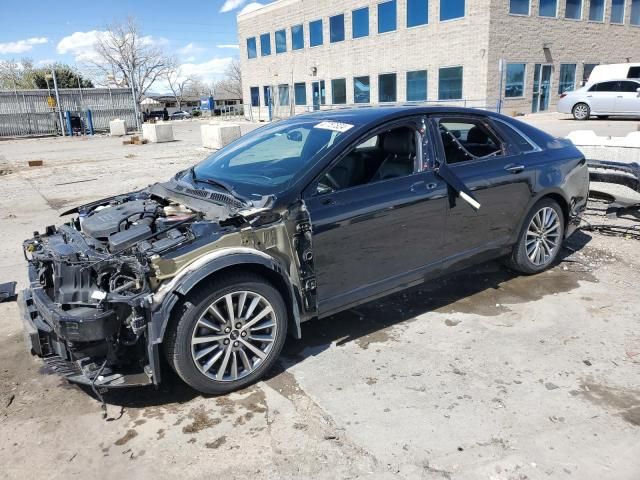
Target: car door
(379, 233)
(628, 98)
(602, 97)
(491, 166)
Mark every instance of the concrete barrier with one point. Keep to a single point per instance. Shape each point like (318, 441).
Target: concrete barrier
(217, 136)
(117, 128)
(615, 149)
(157, 132)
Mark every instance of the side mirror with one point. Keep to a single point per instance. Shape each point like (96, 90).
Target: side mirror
(295, 136)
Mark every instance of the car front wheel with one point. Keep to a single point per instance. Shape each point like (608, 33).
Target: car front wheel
(581, 111)
(540, 239)
(227, 335)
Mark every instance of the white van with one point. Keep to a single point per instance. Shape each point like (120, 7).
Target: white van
(614, 71)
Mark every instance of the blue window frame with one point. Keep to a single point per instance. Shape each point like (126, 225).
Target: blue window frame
(297, 37)
(339, 91)
(387, 87)
(586, 71)
(360, 23)
(548, 8)
(255, 96)
(450, 83)
(519, 7)
(617, 11)
(596, 11)
(451, 9)
(635, 12)
(514, 85)
(300, 93)
(417, 12)
(336, 28)
(283, 95)
(361, 90)
(267, 96)
(567, 77)
(281, 41)
(387, 16)
(265, 44)
(417, 86)
(252, 51)
(315, 33)
(573, 10)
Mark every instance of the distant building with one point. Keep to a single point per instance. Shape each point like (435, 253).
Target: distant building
(223, 101)
(301, 55)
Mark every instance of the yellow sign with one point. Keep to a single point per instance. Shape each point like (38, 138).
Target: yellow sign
(51, 101)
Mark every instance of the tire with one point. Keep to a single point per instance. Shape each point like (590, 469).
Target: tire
(531, 240)
(581, 111)
(197, 335)
(602, 117)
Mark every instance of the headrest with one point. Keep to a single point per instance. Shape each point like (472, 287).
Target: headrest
(477, 135)
(399, 142)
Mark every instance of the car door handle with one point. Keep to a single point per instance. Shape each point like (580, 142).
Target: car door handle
(328, 201)
(514, 168)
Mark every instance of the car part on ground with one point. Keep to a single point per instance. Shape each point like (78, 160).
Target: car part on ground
(7, 291)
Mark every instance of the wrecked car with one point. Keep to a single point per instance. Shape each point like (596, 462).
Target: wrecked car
(297, 220)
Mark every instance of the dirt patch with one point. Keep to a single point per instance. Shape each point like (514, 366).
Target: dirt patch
(200, 420)
(626, 402)
(126, 437)
(285, 384)
(216, 443)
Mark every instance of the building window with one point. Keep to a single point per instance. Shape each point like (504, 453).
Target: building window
(255, 96)
(548, 8)
(297, 37)
(281, 41)
(387, 16)
(586, 71)
(573, 10)
(519, 7)
(252, 51)
(315, 33)
(417, 86)
(514, 86)
(283, 95)
(361, 90)
(596, 10)
(300, 93)
(265, 44)
(417, 12)
(617, 11)
(360, 23)
(339, 91)
(450, 9)
(635, 12)
(567, 77)
(336, 28)
(450, 83)
(267, 96)
(387, 88)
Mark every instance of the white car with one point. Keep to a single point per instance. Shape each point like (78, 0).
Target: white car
(602, 99)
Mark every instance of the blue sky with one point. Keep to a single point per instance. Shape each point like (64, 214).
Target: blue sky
(202, 33)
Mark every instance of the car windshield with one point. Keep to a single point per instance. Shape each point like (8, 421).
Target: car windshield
(269, 159)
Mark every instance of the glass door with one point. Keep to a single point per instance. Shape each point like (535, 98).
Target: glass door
(541, 88)
(318, 91)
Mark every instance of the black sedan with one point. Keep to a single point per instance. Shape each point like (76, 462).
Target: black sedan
(297, 220)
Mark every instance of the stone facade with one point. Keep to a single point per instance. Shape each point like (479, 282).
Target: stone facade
(477, 42)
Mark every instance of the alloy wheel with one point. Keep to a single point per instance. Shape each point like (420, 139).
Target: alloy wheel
(543, 236)
(233, 336)
(581, 111)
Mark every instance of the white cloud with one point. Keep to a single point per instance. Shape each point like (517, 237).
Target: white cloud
(80, 45)
(44, 62)
(190, 50)
(251, 7)
(148, 40)
(231, 5)
(22, 46)
(228, 45)
(207, 71)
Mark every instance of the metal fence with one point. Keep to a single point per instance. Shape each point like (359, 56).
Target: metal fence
(35, 112)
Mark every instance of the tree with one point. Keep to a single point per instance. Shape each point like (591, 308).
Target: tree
(232, 82)
(65, 76)
(178, 84)
(23, 75)
(126, 58)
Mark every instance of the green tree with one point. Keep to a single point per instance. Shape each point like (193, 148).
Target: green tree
(23, 75)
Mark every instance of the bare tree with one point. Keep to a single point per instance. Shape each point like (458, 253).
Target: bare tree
(198, 88)
(178, 84)
(232, 82)
(126, 58)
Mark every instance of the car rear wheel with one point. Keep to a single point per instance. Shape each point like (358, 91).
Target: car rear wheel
(228, 335)
(540, 239)
(581, 111)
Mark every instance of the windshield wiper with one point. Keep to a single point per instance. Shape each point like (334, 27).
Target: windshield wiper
(217, 183)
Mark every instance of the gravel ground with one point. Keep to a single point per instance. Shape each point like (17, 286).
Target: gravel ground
(481, 375)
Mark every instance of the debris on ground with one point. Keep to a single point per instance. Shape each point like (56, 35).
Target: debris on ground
(135, 140)
(35, 163)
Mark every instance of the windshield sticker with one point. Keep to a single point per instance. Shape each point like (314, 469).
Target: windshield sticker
(334, 126)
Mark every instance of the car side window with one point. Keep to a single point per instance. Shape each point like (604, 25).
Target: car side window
(605, 87)
(465, 140)
(629, 87)
(389, 154)
(521, 142)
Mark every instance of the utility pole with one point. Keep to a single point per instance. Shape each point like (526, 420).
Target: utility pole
(135, 100)
(55, 87)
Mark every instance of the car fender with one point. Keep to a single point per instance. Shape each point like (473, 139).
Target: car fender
(167, 296)
(547, 192)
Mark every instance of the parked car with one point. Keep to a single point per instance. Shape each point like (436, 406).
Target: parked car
(180, 115)
(297, 220)
(602, 99)
(157, 115)
(601, 73)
